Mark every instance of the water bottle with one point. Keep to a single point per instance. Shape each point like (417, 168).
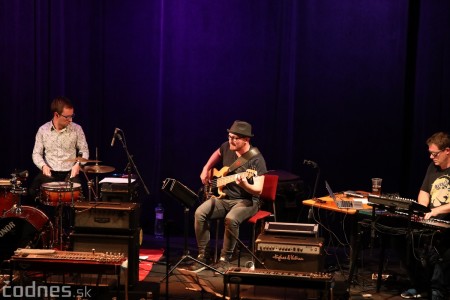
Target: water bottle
(159, 221)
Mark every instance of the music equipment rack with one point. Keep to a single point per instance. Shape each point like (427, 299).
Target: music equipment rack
(398, 203)
(306, 280)
(435, 223)
(62, 262)
(76, 256)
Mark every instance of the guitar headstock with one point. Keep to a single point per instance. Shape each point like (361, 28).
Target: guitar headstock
(251, 173)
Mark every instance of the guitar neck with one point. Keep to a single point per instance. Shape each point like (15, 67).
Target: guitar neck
(227, 179)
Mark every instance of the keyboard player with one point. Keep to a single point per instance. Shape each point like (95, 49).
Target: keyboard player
(434, 193)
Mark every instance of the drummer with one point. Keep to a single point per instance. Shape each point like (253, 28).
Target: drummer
(59, 147)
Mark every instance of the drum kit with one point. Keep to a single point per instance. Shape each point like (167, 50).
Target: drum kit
(24, 226)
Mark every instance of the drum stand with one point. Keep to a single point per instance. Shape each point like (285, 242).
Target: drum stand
(19, 191)
(58, 223)
(58, 229)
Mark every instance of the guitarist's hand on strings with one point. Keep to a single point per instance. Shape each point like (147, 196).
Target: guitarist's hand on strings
(205, 176)
(240, 180)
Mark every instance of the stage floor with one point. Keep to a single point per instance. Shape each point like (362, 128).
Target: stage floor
(177, 287)
(180, 286)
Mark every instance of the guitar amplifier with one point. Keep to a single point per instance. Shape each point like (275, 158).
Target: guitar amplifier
(293, 253)
(109, 216)
(126, 244)
(118, 192)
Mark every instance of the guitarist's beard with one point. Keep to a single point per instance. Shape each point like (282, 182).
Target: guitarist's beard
(241, 148)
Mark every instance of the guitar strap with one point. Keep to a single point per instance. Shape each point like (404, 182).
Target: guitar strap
(243, 159)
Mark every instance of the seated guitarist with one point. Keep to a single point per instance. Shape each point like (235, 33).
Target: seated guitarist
(238, 195)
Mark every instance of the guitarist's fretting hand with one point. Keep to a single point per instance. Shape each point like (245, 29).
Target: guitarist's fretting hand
(240, 180)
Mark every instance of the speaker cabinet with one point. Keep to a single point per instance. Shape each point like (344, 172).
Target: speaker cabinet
(126, 244)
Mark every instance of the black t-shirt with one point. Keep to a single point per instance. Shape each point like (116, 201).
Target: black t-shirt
(437, 184)
(257, 163)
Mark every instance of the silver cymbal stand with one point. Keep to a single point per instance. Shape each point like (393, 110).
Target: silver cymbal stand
(91, 189)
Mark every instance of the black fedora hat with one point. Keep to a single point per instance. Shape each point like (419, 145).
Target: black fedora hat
(241, 128)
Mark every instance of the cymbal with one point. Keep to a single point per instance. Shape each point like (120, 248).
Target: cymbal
(97, 169)
(81, 159)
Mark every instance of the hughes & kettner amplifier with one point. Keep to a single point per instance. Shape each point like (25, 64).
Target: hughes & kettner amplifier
(117, 216)
(288, 252)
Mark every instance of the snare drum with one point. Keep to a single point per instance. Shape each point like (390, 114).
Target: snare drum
(21, 227)
(56, 193)
(7, 199)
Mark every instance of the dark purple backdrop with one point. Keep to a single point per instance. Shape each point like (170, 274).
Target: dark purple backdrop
(356, 86)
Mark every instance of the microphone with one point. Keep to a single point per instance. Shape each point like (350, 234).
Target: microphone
(114, 136)
(310, 163)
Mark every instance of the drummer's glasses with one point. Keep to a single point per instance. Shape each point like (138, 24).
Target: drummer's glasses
(68, 117)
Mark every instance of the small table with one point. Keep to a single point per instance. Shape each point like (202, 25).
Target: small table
(327, 203)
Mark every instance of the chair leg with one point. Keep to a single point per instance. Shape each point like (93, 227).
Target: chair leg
(216, 249)
(253, 240)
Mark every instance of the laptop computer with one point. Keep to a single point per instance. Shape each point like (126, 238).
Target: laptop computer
(340, 203)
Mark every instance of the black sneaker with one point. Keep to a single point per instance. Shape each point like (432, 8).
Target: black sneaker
(411, 294)
(221, 267)
(197, 267)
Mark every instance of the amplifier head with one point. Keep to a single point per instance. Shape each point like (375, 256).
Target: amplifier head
(293, 253)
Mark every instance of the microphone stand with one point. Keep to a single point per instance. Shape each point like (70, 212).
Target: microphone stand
(311, 210)
(130, 165)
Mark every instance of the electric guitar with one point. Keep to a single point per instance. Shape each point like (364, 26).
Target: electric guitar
(220, 180)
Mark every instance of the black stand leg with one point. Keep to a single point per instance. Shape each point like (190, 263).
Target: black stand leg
(355, 243)
(381, 263)
(246, 248)
(186, 230)
(191, 258)
(186, 250)
(167, 230)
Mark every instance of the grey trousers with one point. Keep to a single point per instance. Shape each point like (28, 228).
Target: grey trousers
(234, 211)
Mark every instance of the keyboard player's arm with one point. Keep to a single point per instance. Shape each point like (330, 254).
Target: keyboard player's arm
(424, 199)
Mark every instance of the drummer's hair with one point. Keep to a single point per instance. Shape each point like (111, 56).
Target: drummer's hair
(59, 103)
